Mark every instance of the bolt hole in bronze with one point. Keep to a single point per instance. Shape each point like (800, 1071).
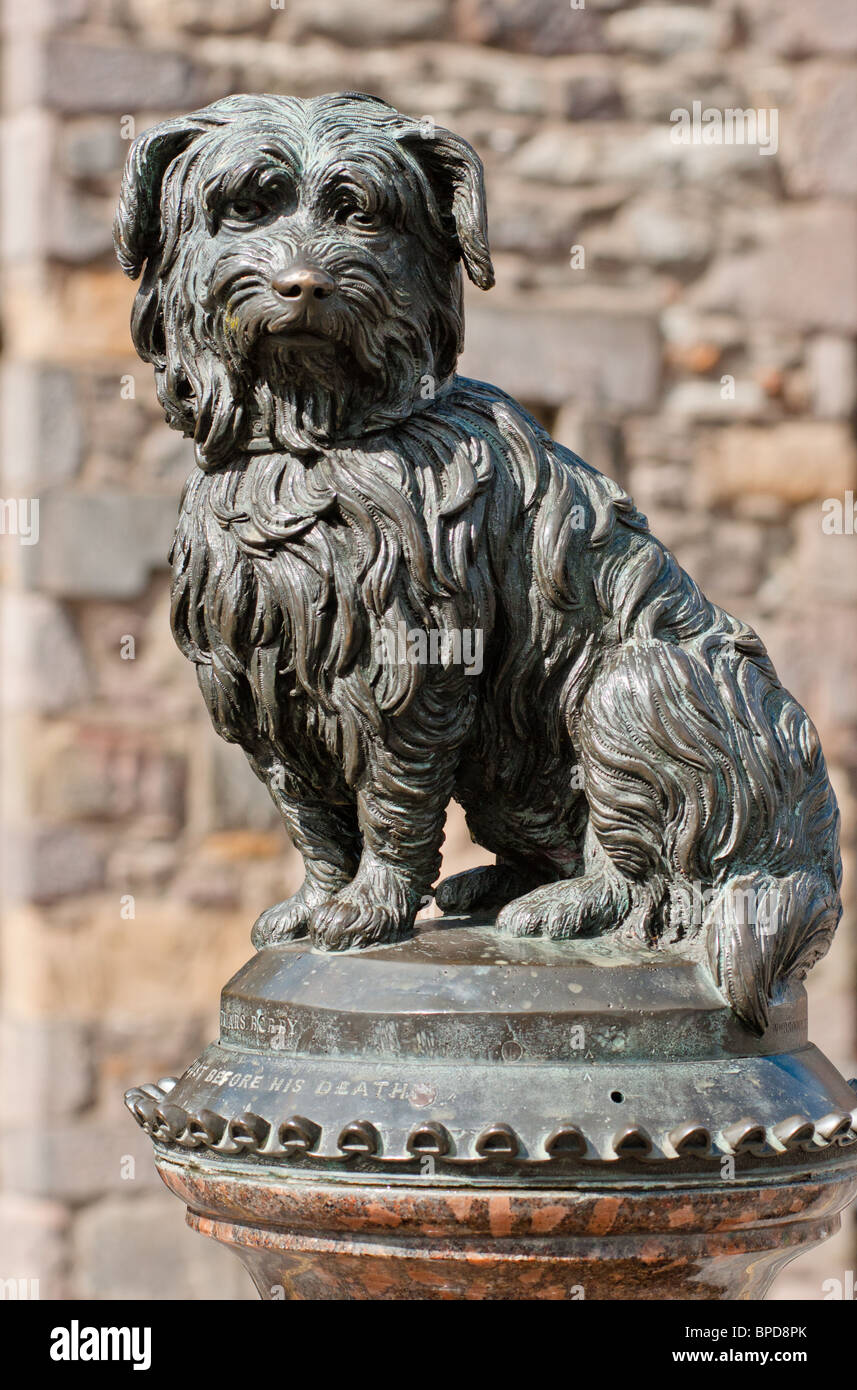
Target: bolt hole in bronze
(592, 1072)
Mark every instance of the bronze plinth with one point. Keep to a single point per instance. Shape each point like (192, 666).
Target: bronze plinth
(471, 1116)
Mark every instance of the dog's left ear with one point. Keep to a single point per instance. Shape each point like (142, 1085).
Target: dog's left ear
(455, 172)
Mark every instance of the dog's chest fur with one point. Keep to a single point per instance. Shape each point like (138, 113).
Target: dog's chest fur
(286, 568)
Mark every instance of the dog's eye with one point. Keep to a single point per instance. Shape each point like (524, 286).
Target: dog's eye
(367, 220)
(244, 210)
(359, 218)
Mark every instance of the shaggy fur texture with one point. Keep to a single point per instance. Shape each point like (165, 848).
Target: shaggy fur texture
(626, 750)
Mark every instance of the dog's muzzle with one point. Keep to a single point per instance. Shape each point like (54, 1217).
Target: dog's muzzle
(302, 285)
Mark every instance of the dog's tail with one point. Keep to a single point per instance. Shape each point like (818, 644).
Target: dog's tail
(761, 931)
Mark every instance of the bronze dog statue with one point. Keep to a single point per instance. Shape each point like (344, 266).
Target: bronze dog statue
(625, 748)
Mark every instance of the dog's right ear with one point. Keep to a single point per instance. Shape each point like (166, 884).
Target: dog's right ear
(136, 226)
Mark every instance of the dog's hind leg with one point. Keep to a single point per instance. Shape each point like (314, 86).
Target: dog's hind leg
(537, 839)
(652, 749)
(490, 885)
(595, 901)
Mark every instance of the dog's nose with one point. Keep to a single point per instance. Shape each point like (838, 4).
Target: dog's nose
(302, 283)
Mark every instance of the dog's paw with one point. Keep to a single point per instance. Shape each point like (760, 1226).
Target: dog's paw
(524, 917)
(363, 914)
(285, 921)
(491, 885)
(574, 907)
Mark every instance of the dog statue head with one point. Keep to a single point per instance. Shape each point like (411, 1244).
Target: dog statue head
(302, 278)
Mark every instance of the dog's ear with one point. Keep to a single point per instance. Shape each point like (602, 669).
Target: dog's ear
(455, 172)
(136, 226)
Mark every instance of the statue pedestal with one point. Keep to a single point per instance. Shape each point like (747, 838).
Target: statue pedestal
(358, 1240)
(466, 1115)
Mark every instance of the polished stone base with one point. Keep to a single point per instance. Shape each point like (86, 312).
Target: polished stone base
(352, 1240)
(467, 1116)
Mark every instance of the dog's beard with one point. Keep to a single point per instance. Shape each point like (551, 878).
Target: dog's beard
(373, 347)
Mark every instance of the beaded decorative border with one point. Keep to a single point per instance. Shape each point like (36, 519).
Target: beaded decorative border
(299, 1137)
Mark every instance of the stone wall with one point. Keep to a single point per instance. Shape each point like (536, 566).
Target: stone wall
(683, 315)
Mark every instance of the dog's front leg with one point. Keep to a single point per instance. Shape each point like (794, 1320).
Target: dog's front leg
(326, 836)
(401, 807)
